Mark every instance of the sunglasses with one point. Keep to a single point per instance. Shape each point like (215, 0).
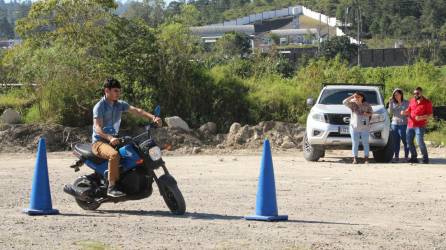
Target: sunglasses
(416, 93)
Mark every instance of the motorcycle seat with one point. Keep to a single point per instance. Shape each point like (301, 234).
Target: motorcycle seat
(87, 153)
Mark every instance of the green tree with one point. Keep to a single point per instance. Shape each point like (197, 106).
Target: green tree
(233, 44)
(6, 29)
(132, 57)
(443, 32)
(63, 52)
(151, 11)
(338, 46)
(274, 38)
(188, 16)
(181, 79)
(173, 9)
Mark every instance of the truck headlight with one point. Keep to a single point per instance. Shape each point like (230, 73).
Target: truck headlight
(155, 153)
(318, 117)
(376, 118)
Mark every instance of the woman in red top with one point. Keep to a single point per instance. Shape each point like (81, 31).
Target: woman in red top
(418, 113)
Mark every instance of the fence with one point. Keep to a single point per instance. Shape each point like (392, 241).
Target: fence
(369, 57)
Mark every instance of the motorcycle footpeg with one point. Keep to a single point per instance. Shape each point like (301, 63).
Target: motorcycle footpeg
(76, 165)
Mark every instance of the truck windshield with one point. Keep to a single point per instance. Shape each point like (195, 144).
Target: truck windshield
(336, 96)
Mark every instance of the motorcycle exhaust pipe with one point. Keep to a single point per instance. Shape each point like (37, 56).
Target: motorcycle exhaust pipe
(71, 191)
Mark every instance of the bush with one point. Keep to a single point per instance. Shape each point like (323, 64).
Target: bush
(274, 98)
(66, 89)
(338, 46)
(165, 66)
(229, 102)
(17, 99)
(32, 115)
(437, 132)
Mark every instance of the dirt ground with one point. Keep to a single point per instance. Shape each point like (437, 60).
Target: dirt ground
(331, 205)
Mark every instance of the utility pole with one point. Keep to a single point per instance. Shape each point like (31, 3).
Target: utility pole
(359, 33)
(319, 35)
(327, 14)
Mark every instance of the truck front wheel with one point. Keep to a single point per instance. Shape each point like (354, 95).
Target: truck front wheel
(385, 155)
(311, 153)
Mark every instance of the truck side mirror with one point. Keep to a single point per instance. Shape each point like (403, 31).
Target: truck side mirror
(310, 102)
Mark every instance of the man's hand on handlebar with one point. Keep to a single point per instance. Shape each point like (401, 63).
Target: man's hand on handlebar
(114, 141)
(158, 121)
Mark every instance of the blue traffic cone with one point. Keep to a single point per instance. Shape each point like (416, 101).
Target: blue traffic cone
(266, 203)
(40, 203)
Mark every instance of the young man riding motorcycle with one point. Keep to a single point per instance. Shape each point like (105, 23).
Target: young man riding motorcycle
(106, 121)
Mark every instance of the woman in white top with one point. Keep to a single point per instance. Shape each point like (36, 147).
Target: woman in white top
(359, 124)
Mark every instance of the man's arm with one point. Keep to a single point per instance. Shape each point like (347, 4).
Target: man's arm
(98, 128)
(422, 117)
(142, 113)
(428, 115)
(406, 112)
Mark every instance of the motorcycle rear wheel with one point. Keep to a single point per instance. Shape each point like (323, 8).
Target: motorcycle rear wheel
(88, 205)
(83, 182)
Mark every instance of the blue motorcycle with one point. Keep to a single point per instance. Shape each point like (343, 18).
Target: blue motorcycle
(140, 157)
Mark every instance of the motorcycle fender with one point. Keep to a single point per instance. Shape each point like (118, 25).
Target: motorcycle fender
(166, 180)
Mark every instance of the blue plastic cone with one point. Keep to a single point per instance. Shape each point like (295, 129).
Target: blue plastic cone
(40, 203)
(266, 203)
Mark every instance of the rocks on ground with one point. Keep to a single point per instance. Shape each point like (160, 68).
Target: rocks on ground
(24, 138)
(280, 134)
(209, 128)
(10, 116)
(176, 136)
(177, 123)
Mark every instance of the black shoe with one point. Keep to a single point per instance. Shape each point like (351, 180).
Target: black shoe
(366, 160)
(425, 161)
(114, 192)
(413, 160)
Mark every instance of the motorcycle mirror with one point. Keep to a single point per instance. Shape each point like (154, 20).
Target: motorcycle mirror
(157, 111)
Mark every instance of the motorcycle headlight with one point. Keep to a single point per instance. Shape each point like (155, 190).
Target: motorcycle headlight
(378, 118)
(318, 117)
(155, 153)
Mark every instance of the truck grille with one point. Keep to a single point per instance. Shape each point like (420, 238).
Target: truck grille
(336, 134)
(337, 119)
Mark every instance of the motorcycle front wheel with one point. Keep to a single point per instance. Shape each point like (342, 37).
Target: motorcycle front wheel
(173, 197)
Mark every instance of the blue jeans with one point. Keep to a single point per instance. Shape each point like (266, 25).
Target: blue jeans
(419, 134)
(399, 133)
(356, 137)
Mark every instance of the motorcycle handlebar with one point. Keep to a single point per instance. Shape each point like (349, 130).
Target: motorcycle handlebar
(151, 125)
(125, 140)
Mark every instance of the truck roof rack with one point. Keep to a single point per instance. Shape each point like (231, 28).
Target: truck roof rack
(381, 85)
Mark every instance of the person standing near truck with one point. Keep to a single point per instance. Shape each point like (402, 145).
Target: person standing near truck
(418, 113)
(395, 105)
(359, 124)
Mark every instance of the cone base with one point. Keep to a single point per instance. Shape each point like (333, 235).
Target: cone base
(30, 211)
(267, 218)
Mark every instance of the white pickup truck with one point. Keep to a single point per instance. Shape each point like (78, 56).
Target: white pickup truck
(328, 122)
